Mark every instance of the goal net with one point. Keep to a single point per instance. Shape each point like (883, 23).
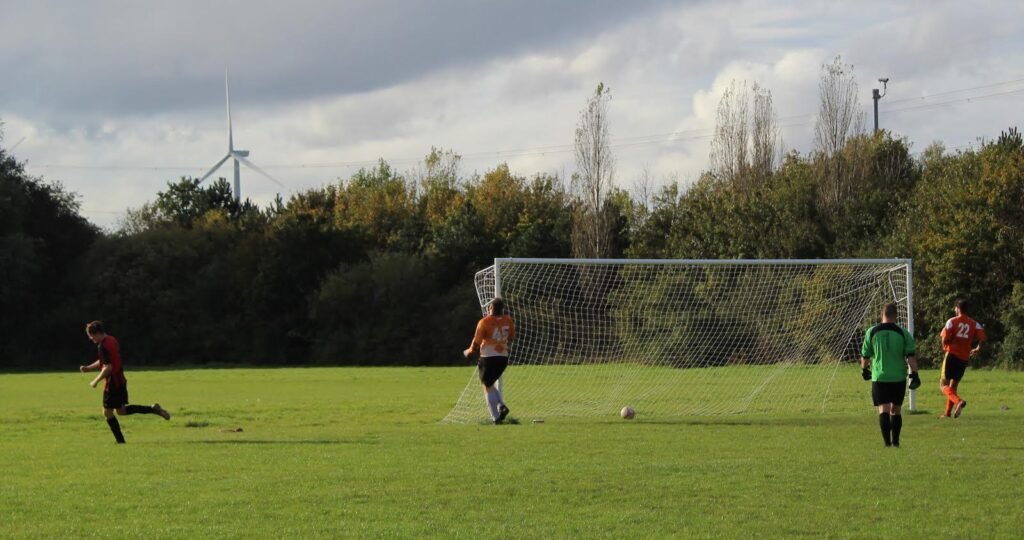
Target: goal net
(681, 337)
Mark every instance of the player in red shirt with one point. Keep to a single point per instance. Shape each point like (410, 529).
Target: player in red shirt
(961, 339)
(115, 389)
(491, 339)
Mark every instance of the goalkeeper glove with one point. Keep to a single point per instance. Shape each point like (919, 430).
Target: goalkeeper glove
(915, 380)
(866, 373)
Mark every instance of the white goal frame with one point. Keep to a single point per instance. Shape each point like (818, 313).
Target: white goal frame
(489, 285)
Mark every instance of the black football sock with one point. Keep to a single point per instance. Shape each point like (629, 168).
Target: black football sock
(884, 423)
(115, 428)
(897, 425)
(139, 409)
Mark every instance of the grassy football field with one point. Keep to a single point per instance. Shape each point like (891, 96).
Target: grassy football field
(359, 452)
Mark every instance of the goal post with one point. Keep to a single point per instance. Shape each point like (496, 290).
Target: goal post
(675, 337)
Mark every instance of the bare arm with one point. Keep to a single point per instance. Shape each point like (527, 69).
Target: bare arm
(865, 362)
(912, 362)
(979, 338)
(104, 373)
(478, 338)
(95, 366)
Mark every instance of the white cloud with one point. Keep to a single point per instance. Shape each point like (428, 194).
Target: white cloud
(666, 67)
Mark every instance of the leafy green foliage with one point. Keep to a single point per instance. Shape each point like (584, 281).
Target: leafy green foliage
(42, 241)
(964, 229)
(405, 315)
(194, 276)
(1011, 354)
(186, 204)
(382, 205)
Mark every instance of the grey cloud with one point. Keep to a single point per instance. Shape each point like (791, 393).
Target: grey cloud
(80, 61)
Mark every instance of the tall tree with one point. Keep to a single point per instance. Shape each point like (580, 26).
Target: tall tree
(766, 139)
(438, 185)
(746, 147)
(594, 178)
(840, 116)
(187, 204)
(381, 203)
(840, 120)
(42, 242)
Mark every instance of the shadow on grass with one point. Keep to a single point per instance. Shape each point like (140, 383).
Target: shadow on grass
(138, 368)
(287, 441)
(508, 422)
(720, 421)
(714, 422)
(681, 421)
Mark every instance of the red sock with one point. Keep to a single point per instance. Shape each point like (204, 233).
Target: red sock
(951, 394)
(949, 407)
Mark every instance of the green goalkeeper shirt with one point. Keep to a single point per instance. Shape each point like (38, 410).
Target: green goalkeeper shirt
(887, 345)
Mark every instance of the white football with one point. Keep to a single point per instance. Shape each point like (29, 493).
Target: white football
(627, 412)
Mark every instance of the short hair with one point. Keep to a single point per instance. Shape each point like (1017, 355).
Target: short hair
(889, 310)
(498, 305)
(962, 304)
(95, 327)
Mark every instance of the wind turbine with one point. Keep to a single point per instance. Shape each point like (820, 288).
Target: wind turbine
(239, 156)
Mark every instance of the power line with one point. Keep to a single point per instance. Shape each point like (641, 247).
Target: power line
(965, 99)
(624, 142)
(110, 212)
(117, 167)
(960, 91)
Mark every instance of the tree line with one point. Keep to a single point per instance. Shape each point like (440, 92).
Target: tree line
(378, 268)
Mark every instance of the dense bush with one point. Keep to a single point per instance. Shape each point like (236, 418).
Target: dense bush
(378, 268)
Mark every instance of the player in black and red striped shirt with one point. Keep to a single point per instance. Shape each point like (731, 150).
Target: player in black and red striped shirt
(115, 390)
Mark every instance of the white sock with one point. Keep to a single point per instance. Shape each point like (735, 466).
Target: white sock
(501, 399)
(492, 403)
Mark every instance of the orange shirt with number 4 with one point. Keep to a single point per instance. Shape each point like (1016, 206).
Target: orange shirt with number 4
(960, 334)
(493, 333)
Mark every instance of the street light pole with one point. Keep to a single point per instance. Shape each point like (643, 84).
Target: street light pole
(877, 96)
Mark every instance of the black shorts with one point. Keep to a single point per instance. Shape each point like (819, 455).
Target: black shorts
(953, 368)
(115, 397)
(490, 368)
(888, 392)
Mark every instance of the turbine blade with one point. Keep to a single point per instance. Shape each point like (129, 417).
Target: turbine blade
(261, 171)
(214, 168)
(227, 96)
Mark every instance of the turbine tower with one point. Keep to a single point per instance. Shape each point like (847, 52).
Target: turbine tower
(239, 156)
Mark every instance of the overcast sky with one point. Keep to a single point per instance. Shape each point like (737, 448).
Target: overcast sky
(115, 99)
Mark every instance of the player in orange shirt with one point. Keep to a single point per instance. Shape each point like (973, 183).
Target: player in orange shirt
(961, 339)
(493, 334)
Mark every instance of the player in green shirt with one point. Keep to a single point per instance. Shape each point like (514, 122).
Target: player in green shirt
(888, 349)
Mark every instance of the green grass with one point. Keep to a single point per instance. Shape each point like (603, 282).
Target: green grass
(579, 390)
(358, 452)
